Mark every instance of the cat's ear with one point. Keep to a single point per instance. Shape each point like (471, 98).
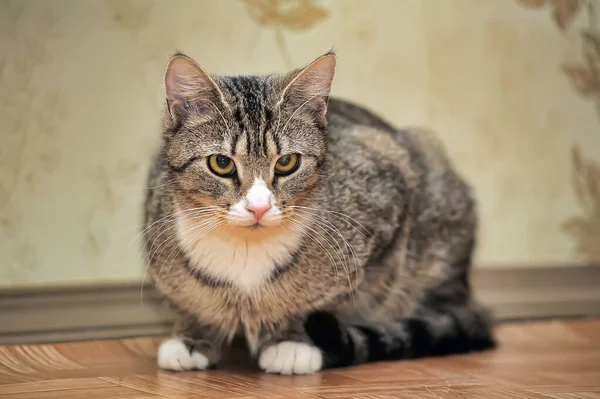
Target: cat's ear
(308, 92)
(190, 89)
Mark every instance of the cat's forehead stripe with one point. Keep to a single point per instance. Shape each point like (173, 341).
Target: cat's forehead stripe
(250, 111)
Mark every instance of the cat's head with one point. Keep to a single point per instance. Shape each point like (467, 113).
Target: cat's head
(248, 151)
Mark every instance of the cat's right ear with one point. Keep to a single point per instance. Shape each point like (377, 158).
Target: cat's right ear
(189, 88)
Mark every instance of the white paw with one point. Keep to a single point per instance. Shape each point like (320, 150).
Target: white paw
(173, 354)
(289, 357)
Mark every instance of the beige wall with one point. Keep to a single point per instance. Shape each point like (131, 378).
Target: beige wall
(80, 94)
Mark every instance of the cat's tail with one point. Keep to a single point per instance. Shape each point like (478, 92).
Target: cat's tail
(456, 329)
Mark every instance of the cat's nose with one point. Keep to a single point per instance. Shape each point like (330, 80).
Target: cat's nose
(259, 199)
(259, 209)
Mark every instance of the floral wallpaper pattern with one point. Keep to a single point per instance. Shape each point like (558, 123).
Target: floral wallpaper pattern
(502, 82)
(291, 15)
(585, 79)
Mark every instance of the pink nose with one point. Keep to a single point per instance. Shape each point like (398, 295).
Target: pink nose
(258, 210)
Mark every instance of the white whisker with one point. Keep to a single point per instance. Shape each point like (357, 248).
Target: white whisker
(175, 236)
(322, 220)
(199, 231)
(314, 238)
(207, 228)
(345, 264)
(187, 215)
(167, 183)
(340, 215)
(343, 259)
(172, 214)
(152, 250)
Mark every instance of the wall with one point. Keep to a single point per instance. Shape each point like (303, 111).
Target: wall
(512, 87)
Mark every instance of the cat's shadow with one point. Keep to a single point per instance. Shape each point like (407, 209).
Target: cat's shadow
(237, 357)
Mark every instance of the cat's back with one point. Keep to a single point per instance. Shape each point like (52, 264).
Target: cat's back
(377, 166)
(342, 114)
(362, 137)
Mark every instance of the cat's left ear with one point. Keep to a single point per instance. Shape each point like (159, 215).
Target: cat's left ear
(308, 92)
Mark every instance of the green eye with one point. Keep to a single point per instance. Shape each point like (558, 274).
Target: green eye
(287, 164)
(221, 165)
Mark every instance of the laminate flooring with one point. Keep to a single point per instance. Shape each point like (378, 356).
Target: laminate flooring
(545, 359)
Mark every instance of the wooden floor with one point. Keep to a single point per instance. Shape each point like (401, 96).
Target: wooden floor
(558, 359)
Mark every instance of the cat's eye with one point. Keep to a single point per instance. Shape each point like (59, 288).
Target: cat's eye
(287, 164)
(221, 165)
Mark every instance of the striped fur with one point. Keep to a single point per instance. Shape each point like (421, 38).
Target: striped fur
(372, 256)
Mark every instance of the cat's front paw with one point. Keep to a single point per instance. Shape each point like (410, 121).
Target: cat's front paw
(174, 354)
(290, 357)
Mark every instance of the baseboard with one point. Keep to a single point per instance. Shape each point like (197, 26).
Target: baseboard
(115, 311)
(516, 294)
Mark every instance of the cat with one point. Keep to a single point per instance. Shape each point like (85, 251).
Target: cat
(306, 224)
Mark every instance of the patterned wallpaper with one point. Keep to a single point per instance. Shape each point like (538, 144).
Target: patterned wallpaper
(584, 75)
(513, 88)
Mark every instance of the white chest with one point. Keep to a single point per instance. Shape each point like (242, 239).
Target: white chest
(247, 262)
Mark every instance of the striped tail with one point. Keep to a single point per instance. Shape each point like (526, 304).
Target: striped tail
(456, 329)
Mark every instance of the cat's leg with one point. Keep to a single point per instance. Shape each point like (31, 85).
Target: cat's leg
(429, 332)
(193, 346)
(289, 351)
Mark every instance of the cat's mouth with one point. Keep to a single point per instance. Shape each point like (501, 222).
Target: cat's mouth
(255, 225)
(251, 222)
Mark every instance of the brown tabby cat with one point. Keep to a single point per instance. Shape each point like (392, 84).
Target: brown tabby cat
(321, 233)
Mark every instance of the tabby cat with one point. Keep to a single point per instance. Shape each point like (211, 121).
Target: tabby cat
(308, 225)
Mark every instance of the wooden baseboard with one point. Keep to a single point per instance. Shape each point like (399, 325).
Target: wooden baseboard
(115, 311)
